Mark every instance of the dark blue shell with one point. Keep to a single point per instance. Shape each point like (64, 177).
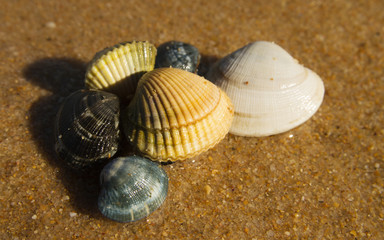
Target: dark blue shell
(178, 55)
(131, 188)
(87, 128)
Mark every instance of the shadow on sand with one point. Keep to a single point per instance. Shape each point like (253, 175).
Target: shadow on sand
(61, 76)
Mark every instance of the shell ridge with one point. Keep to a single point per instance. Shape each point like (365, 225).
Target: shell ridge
(138, 113)
(148, 145)
(84, 143)
(184, 89)
(128, 58)
(139, 57)
(165, 113)
(147, 54)
(175, 104)
(152, 53)
(133, 54)
(198, 108)
(113, 62)
(97, 77)
(167, 99)
(195, 102)
(210, 144)
(187, 111)
(177, 142)
(173, 114)
(125, 72)
(146, 109)
(158, 116)
(82, 154)
(144, 56)
(119, 211)
(204, 100)
(86, 129)
(178, 90)
(245, 62)
(155, 107)
(118, 68)
(95, 113)
(282, 94)
(136, 189)
(123, 62)
(105, 73)
(225, 113)
(103, 126)
(209, 125)
(80, 158)
(78, 130)
(208, 101)
(108, 68)
(129, 50)
(148, 130)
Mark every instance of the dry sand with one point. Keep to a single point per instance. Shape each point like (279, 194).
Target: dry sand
(322, 180)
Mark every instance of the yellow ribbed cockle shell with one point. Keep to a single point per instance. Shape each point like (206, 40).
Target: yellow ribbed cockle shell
(176, 115)
(117, 69)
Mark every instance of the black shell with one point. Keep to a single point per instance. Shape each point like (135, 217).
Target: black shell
(87, 128)
(131, 188)
(178, 55)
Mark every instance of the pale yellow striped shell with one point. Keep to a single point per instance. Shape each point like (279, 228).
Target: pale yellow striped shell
(176, 115)
(117, 69)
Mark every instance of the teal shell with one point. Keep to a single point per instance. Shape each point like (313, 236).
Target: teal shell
(131, 188)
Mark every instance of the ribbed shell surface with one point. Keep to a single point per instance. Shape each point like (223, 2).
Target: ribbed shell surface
(271, 92)
(131, 188)
(87, 128)
(117, 69)
(176, 115)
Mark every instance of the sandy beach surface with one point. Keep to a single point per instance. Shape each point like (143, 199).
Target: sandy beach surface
(321, 180)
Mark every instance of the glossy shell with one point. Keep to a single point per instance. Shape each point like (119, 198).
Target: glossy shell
(178, 55)
(271, 92)
(117, 69)
(131, 188)
(87, 128)
(176, 115)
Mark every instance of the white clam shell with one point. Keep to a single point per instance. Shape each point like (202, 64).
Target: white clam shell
(271, 92)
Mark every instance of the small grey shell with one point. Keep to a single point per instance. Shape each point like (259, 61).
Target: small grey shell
(87, 128)
(131, 188)
(178, 55)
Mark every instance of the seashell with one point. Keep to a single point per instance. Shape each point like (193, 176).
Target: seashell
(131, 188)
(178, 55)
(271, 92)
(87, 128)
(176, 115)
(117, 69)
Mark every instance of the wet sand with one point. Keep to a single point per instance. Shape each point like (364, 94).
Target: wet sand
(321, 180)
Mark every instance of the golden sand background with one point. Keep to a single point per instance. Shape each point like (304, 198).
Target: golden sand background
(322, 180)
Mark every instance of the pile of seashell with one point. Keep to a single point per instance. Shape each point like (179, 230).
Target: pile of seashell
(169, 113)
